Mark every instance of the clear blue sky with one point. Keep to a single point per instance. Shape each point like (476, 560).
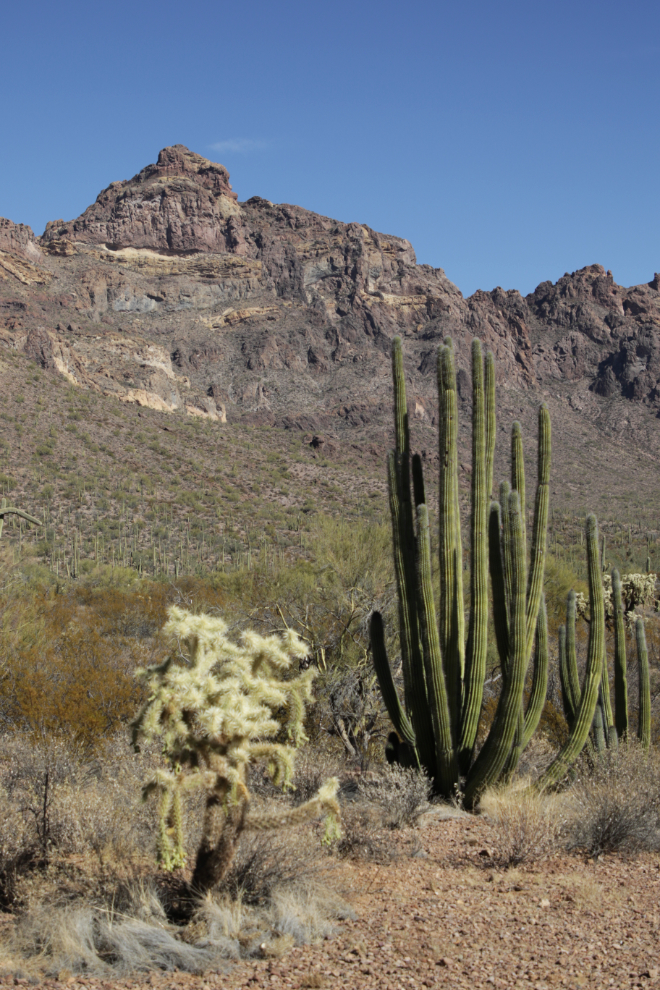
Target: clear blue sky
(508, 141)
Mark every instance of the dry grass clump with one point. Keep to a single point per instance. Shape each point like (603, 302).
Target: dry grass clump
(611, 805)
(401, 793)
(266, 862)
(615, 804)
(78, 874)
(528, 826)
(101, 941)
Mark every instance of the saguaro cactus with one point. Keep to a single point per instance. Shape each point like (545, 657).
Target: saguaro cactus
(443, 670)
(9, 510)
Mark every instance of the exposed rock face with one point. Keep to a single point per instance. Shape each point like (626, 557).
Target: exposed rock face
(169, 292)
(18, 239)
(182, 203)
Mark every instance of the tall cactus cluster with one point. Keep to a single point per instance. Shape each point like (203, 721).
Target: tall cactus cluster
(443, 657)
(608, 727)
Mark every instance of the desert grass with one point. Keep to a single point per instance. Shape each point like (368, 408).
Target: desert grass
(615, 802)
(527, 826)
(83, 896)
(611, 804)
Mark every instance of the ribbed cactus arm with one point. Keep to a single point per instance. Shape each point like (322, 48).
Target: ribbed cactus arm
(540, 525)
(518, 477)
(407, 617)
(401, 433)
(388, 690)
(605, 701)
(589, 699)
(505, 489)
(403, 539)
(569, 712)
(539, 678)
(573, 680)
(446, 774)
(644, 726)
(451, 645)
(491, 420)
(620, 664)
(599, 724)
(477, 643)
(496, 566)
(493, 756)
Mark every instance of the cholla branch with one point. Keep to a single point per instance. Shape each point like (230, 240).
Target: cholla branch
(637, 591)
(217, 710)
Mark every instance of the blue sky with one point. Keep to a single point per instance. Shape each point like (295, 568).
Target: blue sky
(508, 141)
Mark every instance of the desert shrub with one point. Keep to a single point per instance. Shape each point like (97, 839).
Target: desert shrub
(313, 767)
(615, 803)
(541, 749)
(363, 836)
(527, 826)
(267, 861)
(218, 707)
(57, 803)
(79, 683)
(401, 793)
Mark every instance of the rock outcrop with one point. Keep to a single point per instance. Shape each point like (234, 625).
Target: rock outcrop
(18, 239)
(168, 291)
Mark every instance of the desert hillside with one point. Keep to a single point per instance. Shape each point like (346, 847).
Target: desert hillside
(169, 294)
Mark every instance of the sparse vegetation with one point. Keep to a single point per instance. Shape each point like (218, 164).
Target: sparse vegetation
(225, 525)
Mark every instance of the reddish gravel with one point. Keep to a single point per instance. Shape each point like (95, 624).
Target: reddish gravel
(445, 918)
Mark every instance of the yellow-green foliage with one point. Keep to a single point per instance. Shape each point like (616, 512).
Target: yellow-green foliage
(637, 590)
(218, 706)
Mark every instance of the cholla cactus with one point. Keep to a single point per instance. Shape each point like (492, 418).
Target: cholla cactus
(636, 590)
(216, 712)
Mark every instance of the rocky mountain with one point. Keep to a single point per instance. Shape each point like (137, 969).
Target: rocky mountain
(169, 293)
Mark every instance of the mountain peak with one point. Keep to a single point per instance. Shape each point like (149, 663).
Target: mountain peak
(181, 203)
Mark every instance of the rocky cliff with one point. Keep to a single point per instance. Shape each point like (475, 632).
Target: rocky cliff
(168, 292)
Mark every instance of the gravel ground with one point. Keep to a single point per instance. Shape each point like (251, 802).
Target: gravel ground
(446, 917)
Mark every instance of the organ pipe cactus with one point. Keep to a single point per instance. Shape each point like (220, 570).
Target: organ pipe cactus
(443, 668)
(608, 729)
(620, 668)
(585, 709)
(644, 728)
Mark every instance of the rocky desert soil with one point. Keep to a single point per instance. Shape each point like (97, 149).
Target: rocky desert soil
(447, 917)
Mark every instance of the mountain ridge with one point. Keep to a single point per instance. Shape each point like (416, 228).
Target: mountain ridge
(169, 293)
